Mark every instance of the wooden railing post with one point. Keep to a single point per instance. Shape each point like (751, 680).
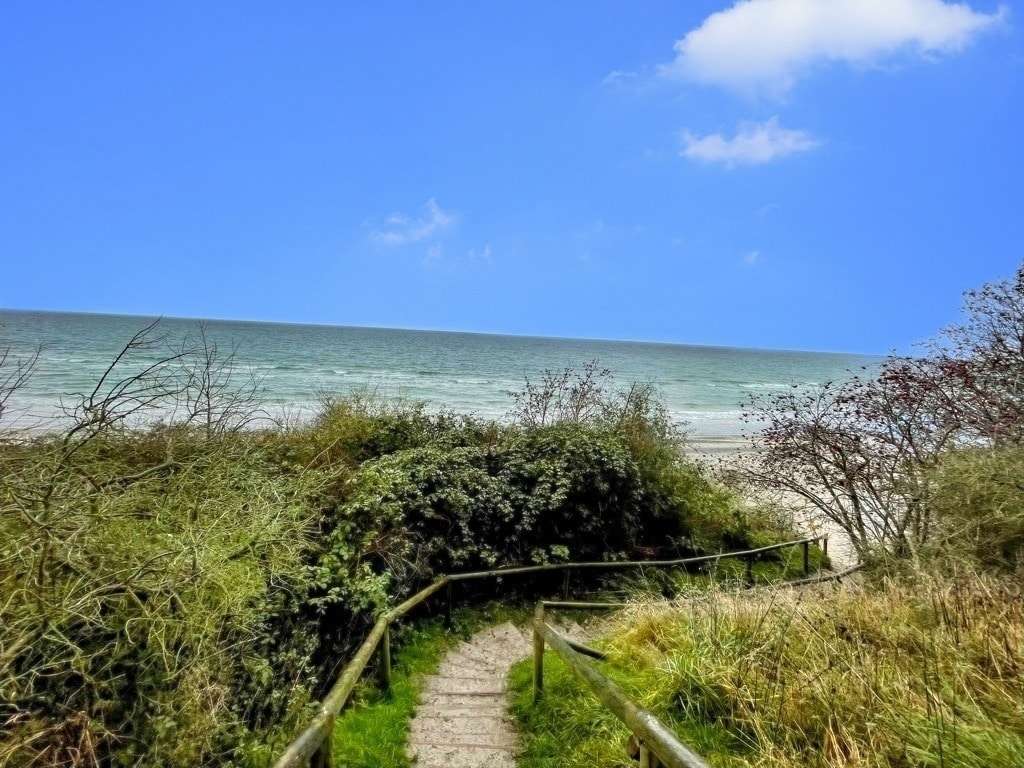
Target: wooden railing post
(385, 659)
(824, 552)
(538, 653)
(645, 756)
(750, 570)
(448, 605)
(323, 757)
(565, 584)
(807, 558)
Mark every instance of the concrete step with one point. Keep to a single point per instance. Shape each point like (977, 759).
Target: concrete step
(465, 685)
(463, 664)
(460, 724)
(485, 708)
(462, 756)
(461, 720)
(495, 731)
(471, 700)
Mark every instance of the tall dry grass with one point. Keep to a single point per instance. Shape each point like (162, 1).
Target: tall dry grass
(918, 670)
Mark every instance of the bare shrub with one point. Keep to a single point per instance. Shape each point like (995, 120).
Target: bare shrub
(860, 454)
(214, 390)
(139, 568)
(569, 395)
(15, 373)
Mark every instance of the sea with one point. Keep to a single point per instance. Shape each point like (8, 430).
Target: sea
(704, 387)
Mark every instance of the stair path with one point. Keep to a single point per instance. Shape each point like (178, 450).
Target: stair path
(462, 719)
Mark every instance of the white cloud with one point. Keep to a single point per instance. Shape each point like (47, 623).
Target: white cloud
(400, 229)
(433, 255)
(765, 45)
(753, 144)
(619, 77)
(750, 258)
(484, 254)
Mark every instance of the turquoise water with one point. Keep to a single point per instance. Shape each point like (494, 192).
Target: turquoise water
(703, 386)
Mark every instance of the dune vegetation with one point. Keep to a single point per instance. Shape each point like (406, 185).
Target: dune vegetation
(902, 670)
(181, 577)
(919, 661)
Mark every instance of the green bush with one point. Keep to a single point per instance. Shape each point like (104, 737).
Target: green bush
(135, 610)
(361, 427)
(555, 492)
(173, 597)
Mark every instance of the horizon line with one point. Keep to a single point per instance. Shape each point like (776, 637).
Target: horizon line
(450, 331)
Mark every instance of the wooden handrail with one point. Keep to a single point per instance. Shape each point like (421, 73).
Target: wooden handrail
(313, 745)
(575, 605)
(619, 564)
(651, 734)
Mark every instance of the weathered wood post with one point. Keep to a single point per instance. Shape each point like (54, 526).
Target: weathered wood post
(319, 758)
(538, 653)
(565, 584)
(750, 570)
(448, 606)
(385, 659)
(824, 552)
(807, 558)
(645, 756)
(323, 757)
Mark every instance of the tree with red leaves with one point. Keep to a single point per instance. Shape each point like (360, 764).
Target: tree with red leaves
(860, 453)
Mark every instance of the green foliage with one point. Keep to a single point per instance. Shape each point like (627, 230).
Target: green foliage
(567, 491)
(135, 610)
(362, 426)
(179, 596)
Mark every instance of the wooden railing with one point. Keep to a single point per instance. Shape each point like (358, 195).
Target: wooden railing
(656, 743)
(313, 746)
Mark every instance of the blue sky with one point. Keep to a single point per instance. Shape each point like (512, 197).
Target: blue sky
(817, 174)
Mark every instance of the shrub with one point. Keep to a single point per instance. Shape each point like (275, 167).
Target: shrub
(567, 491)
(362, 426)
(177, 593)
(136, 608)
(861, 453)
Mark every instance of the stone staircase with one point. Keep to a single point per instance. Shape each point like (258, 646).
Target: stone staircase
(462, 719)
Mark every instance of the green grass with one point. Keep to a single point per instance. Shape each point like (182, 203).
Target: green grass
(784, 565)
(373, 729)
(570, 728)
(920, 672)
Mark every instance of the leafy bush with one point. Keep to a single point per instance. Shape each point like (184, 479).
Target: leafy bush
(361, 426)
(177, 593)
(134, 607)
(547, 493)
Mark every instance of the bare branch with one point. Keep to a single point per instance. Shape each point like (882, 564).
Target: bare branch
(15, 374)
